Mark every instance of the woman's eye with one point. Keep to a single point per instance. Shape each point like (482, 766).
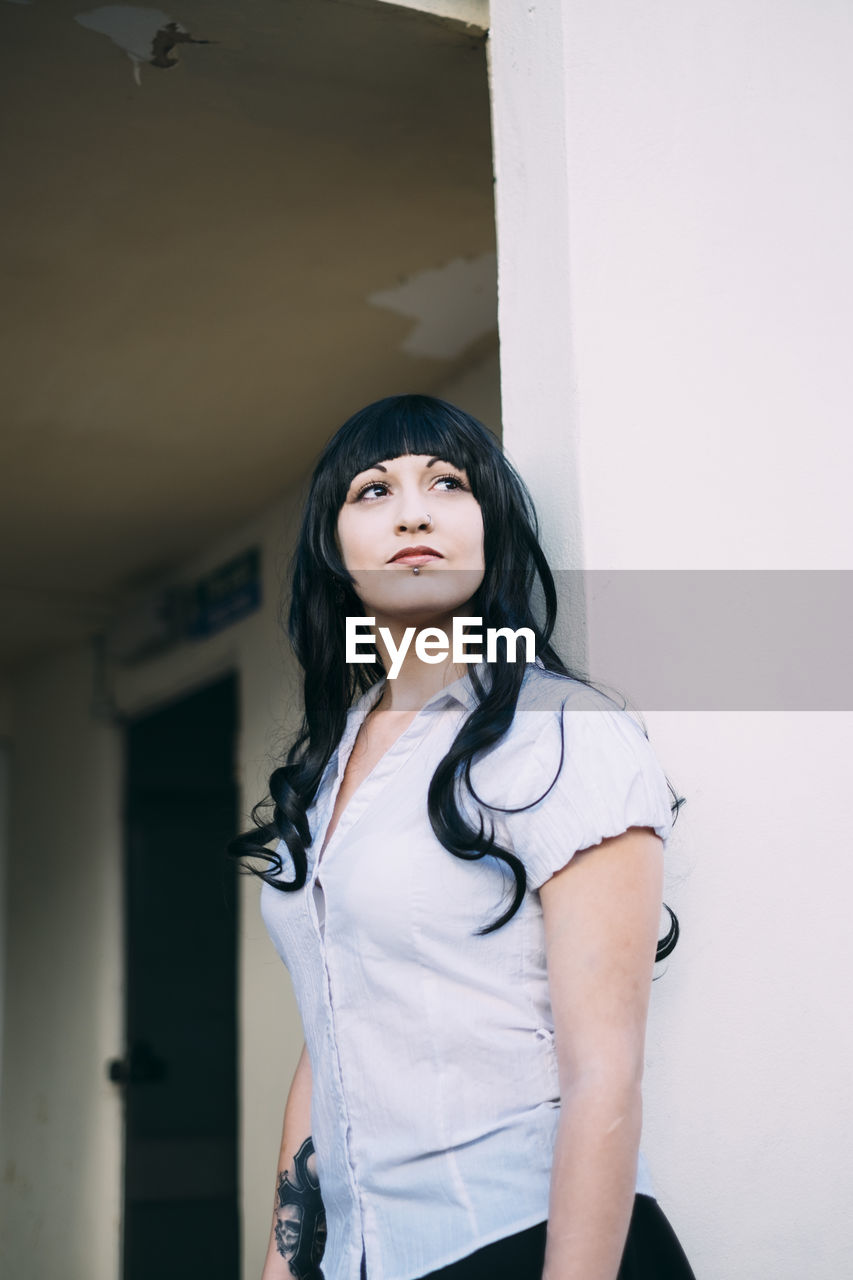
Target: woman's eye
(369, 490)
(452, 482)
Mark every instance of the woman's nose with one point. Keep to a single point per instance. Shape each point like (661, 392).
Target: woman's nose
(415, 522)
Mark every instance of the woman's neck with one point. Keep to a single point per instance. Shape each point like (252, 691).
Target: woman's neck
(416, 681)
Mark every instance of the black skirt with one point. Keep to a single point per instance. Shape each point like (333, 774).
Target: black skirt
(652, 1252)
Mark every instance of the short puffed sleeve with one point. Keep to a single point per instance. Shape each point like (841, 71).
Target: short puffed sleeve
(609, 780)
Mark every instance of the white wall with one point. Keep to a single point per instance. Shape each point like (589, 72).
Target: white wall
(60, 1147)
(5, 765)
(699, 203)
(5, 769)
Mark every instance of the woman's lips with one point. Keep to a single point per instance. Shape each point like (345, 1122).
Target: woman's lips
(416, 555)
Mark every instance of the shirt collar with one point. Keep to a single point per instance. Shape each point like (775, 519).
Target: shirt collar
(461, 691)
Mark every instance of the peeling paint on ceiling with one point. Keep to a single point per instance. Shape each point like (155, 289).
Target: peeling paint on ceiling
(145, 35)
(453, 305)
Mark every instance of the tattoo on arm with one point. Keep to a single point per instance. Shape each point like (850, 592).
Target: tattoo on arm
(300, 1219)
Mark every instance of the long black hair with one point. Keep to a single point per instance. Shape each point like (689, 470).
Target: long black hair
(322, 596)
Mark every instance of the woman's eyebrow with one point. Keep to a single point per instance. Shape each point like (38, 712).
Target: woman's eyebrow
(378, 466)
(374, 466)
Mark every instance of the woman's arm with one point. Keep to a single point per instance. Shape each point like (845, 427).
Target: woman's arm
(299, 1220)
(601, 915)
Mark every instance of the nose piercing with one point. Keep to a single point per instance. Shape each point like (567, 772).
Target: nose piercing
(429, 520)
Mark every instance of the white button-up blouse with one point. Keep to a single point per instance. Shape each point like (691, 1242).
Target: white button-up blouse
(435, 1089)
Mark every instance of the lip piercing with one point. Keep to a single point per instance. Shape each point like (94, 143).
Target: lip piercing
(416, 568)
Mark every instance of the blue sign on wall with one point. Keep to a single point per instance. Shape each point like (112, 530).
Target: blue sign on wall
(227, 594)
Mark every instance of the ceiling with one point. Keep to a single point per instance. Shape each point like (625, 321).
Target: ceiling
(209, 265)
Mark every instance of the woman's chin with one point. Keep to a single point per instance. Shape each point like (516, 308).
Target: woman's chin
(416, 598)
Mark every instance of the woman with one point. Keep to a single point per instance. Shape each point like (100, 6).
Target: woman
(466, 892)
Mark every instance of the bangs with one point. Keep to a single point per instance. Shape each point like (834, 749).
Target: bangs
(392, 428)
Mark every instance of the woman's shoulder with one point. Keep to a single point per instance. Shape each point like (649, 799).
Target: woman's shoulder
(559, 718)
(552, 693)
(562, 714)
(590, 763)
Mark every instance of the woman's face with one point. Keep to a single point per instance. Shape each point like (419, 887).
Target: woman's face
(406, 513)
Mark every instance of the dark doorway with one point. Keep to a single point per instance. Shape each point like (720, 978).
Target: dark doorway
(180, 1069)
